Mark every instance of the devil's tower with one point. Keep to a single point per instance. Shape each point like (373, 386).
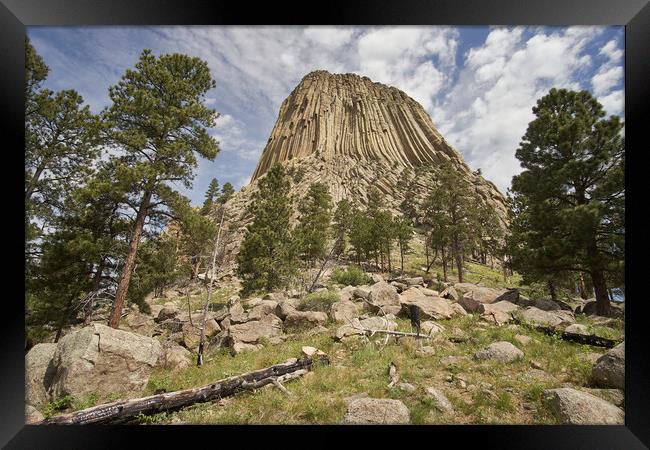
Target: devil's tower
(353, 134)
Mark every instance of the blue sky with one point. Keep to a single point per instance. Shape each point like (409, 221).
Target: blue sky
(479, 84)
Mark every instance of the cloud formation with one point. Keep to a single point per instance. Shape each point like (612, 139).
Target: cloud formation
(479, 91)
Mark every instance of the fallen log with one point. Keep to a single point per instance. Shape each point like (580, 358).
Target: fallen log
(589, 339)
(122, 411)
(395, 333)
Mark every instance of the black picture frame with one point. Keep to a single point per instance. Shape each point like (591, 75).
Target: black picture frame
(15, 15)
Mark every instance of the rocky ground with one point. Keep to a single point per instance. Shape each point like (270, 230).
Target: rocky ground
(483, 360)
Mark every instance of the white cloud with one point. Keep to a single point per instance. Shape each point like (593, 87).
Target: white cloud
(487, 112)
(613, 102)
(610, 76)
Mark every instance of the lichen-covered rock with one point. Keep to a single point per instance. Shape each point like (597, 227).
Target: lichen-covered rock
(101, 360)
(376, 411)
(577, 328)
(481, 294)
(536, 316)
(609, 370)
(167, 312)
(251, 332)
(175, 357)
(262, 308)
(430, 328)
(37, 362)
(574, 407)
(305, 319)
(32, 415)
(440, 401)
(431, 307)
(378, 323)
(501, 351)
(192, 333)
(343, 311)
(415, 281)
(384, 295)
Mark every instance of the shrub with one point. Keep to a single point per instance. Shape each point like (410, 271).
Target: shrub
(318, 301)
(353, 276)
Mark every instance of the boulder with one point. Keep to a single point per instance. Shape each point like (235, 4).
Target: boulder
(262, 308)
(140, 323)
(376, 411)
(101, 360)
(536, 316)
(384, 295)
(192, 333)
(167, 312)
(429, 292)
(546, 305)
(37, 362)
(431, 307)
(175, 357)
(450, 293)
(440, 401)
(613, 396)
(343, 310)
(496, 317)
(305, 318)
(430, 328)
(376, 278)
(347, 293)
(458, 309)
(524, 301)
(378, 323)
(284, 308)
(577, 328)
(251, 332)
(482, 294)
(275, 296)
(237, 314)
(523, 339)
(32, 415)
(349, 330)
(501, 351)
(415, 281)
(503, 305)
(399, 286)
(362, 292)
(609, 370)
(574, 407)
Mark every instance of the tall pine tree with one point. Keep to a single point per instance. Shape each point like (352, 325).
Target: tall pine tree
(570, 198)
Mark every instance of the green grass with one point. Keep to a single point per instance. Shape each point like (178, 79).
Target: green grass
(353, 276)
(318, 301)
(361, 366)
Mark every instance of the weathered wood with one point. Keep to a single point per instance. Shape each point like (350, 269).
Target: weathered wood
(122, 411)
(395, 333)
(589, 339)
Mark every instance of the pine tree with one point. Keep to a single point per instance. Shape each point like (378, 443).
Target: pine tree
(404, 235)
(227, 191)
(342, 225)
(313, 229)
(569, 201)
(267, 255)
(157, 124)
(211, 195)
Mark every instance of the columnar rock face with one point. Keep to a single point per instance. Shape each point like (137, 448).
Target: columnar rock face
(352, 134)
(335, 115)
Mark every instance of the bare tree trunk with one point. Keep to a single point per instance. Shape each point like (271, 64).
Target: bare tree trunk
(199, 358)
(551, 289)
(600, 288)
(123, 286)
(581, 286)
(97, 279)
(444, 264)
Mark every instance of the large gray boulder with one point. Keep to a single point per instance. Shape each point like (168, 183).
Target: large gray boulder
(440, 400)
(384, 295)
(343, 311)
(609, 370)
(300, 319)
(102, 360)
(431, 307)
(175, 357)
(574, 407)
(536, 316)
(37, 362)
(262, 308)
(192, 333)
(252, 332)
(354, 328)
(378, 323)
(501, 351)
(376, 411)
(482, 294)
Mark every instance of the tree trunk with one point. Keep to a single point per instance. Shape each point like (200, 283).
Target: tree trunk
(600, 288)
(459, 259)
(551, 289)
(123, 286)
(582, 288)
(199, 358)
(444, 265)
(97, 279)
(122, 411)
(401, 258)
